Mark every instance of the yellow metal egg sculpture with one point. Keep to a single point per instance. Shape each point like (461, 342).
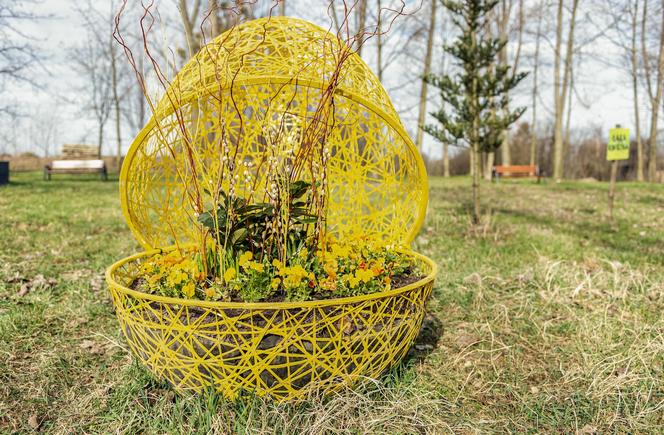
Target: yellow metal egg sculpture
(249, 99)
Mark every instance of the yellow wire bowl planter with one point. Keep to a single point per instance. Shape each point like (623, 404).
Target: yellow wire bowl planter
(224, 105)
(283, 350)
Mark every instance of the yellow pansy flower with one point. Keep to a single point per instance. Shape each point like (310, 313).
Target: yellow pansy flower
(209, 292)
(147, 267)
(340, 251)
(328, 284)
(154, 280)
(175, 277)
(275, 283)
(189, 289)
(258, 267)
(245, 258)
(230, 274)
(364, 275)
(352, 280)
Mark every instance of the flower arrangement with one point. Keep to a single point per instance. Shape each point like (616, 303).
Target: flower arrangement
(333, 270)
(268, 251)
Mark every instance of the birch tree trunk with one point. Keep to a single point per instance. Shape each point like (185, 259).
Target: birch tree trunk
(561, 88)
(116, 104)
(488, 168)
(379, 46)
(503, 23)
(361, 22)
(533, 124)
(100, 139)
(635, 91)
(422, 110)
(474, 140)
(568, 118)
(188, 21)
(477, 212)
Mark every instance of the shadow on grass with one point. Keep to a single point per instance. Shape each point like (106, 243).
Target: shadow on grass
(426, 341)
(621, 238)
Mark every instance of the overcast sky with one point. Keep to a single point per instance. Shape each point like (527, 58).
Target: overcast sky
(603, 96)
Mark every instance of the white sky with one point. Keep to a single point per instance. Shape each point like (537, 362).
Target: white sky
(604, 89)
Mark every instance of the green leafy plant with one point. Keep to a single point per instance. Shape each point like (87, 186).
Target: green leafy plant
(239, 226)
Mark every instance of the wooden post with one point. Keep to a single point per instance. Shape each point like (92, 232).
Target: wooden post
(612, 184)
(612, 187)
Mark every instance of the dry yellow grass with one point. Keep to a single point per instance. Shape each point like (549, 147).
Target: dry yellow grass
(546, 319)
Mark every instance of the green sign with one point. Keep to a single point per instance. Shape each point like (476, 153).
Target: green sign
(618, 147)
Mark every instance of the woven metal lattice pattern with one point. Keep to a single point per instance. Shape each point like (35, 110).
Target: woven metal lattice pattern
(282, 350)
(261, 77)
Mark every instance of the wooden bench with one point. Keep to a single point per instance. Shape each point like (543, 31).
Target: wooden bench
(516, 171)
(77, 159)
(76, 167)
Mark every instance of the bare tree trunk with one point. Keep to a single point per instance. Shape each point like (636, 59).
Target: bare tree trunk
(561, 88)
(379, 46)
(488, 168)
(116, 104)
(215, 24)
(361, 23)
(533, 124)
(333, 10)
(100, 139)
(505, 152)
(471, 166)
(503, 22)
(188, 21)
(652, 141)
(141, 99)
(282, 8)
(422, 110)
(475, 140)
(568, 118)
(635, 91)
(446, 161)
(477, 212)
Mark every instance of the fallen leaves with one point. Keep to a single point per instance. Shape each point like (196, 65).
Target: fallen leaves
(33, 421)
(38, 282)
(92, 347)
(97, 283)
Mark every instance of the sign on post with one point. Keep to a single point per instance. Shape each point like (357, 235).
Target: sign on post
(618, 147)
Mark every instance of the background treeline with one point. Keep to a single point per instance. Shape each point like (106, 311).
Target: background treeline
(585, 158)
(590, 63)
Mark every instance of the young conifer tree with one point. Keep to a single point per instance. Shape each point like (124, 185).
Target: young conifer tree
(475, 98)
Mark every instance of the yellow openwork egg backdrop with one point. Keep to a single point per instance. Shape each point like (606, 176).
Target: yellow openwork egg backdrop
(245, 101)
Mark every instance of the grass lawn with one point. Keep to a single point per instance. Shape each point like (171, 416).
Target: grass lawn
(545, 319)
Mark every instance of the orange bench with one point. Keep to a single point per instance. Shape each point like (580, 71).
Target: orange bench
(516, 171)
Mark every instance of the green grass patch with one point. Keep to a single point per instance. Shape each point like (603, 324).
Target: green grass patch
(545, 318)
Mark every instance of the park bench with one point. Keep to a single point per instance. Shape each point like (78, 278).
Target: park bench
(77, 159)
(516, 171)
